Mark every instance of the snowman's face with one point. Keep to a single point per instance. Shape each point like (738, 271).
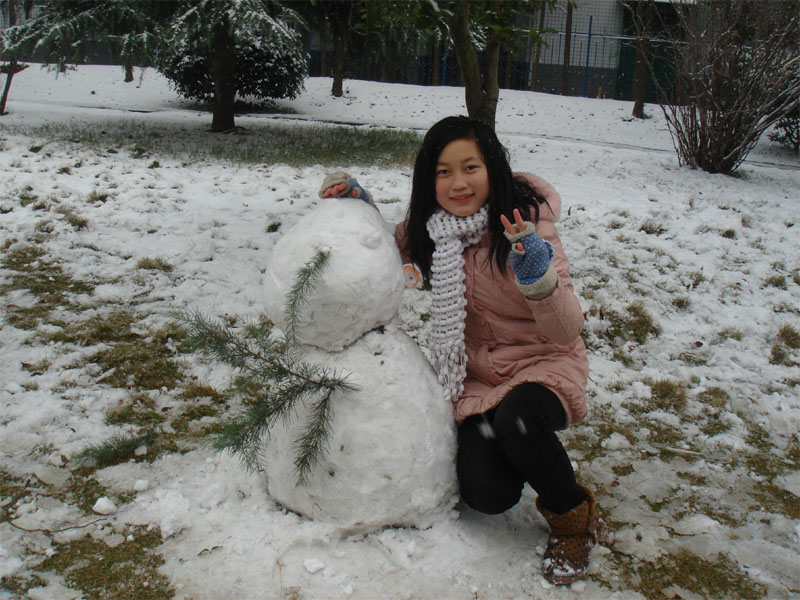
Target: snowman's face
(462, 178)
(361, 285)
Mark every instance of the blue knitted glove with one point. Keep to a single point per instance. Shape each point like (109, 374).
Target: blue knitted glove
(530, 263)
(351, 189)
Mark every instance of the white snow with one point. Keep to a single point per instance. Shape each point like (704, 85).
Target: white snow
(703, 279)
(391, 457)
(104, 506)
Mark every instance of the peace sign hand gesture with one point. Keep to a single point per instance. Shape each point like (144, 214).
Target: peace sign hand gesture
(530, 254)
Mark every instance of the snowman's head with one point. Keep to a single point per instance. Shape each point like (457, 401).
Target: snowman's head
(361, 285)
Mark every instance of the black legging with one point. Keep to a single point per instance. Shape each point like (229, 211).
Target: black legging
(501, 449)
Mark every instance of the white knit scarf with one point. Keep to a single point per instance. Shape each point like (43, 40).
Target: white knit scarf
(451, 234)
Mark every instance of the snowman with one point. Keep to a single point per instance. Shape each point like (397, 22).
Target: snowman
(391, 452)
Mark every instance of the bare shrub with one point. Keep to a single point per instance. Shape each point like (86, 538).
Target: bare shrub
(735, 67)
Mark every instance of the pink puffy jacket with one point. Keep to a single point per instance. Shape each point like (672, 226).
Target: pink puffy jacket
(511, 339)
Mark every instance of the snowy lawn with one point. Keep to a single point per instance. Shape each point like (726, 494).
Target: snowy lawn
(114, 212)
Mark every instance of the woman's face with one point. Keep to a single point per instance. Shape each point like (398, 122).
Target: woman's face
(461, 179)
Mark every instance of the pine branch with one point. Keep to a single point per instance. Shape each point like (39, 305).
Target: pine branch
(306, 281)
(273, 376)
(314, 441)
(117, 449)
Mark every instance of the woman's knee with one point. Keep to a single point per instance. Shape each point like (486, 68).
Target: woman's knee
(490, 498)
(529, 409)
(488, 481)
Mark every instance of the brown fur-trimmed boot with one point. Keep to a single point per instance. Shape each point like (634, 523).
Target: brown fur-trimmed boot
(572, 535)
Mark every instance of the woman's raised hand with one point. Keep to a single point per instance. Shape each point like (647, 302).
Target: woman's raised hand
(530, 254)
(517, 227)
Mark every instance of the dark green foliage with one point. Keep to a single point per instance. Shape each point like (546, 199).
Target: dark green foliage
(273, 378)
(60, 29)
(269, 60)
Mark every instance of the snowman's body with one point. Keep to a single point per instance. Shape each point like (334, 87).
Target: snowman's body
(390, 457)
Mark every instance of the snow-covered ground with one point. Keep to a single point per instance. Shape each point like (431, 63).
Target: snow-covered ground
(692, 442)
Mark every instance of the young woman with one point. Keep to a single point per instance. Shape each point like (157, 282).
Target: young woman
(506, 323)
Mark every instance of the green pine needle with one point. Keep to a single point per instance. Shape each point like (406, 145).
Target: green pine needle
(305, 282)
(117, 449)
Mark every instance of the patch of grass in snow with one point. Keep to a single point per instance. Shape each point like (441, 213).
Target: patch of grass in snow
(707, 502)
(665, 395)
(20, 585)
(728, 333)
(145, 362)
(83, 491)
(636, 325)
(194, 391)
(141, 360)
(10, 486)
(37, 368)
(127, 571)
(26, 196)
(652, 227)
(714, 426)
(776, 281)
(140, 410)
(71, 217)
(110, 329)
(266, 143)
(681, 302)
(720, 578)
(774, 499)
(779, 355)
(88, 564)
(31, 269)
(154, 264)
(765, 461)
(789, 336)
(666, 437)
(586, 438)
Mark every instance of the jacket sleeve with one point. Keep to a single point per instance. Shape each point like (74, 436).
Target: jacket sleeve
(400, 236)
(559, 311)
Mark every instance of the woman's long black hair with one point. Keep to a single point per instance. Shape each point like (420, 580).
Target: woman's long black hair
(505, 192)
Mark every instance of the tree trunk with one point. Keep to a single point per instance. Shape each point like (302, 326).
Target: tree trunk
(481, 93)
(437, 63)
(567, 52)
(323, 51)
(128, 71)
(11, 69)
(6, 89)
(338, 62)
(507, 65)
(538, 53)
(223, 63)
(640, 70)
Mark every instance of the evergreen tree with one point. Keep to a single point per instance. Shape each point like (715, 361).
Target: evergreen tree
(60, 30)
(216, 49)
(273, 377)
